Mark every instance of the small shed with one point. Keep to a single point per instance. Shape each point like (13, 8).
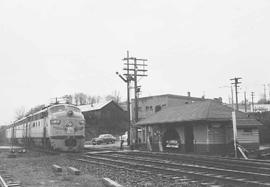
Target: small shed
(200, 127)
(104, 118)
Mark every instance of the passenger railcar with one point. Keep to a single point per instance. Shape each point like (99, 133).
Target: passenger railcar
(56, 127)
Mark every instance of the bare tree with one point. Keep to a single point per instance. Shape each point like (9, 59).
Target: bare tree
(115, 96)
(80, 98)
(68, 98)
(35, 109)
(20, 112)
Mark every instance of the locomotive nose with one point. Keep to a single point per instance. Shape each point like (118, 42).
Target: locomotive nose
(70, 113)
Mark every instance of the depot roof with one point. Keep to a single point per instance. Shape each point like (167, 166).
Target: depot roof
(208, 110)
(96, 106)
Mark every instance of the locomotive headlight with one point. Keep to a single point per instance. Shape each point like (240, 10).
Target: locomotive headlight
(55, 121)
(82, 122)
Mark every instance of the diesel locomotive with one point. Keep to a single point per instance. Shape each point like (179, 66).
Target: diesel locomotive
(56, 127)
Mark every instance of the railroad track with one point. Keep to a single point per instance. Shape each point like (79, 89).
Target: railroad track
(251, 165)
(173, 170)
(7, 180)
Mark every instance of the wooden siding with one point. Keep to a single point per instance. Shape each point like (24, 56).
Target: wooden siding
(200, 134)
(216, 134)
(247, 136)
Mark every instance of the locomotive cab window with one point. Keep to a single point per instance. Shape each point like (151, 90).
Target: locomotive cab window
(56, 109)
(72, 108)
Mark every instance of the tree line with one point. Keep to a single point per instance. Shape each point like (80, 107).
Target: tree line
(76, 99)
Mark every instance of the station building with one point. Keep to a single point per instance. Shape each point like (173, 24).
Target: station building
(198, 127)
(147, 106)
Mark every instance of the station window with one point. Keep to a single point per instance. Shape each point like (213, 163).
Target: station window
(248, 130)
(157, 108)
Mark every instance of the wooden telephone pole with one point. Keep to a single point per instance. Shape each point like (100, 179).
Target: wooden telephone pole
(236, 82)
(134, 68)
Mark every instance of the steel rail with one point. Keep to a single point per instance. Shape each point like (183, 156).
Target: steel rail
(174, 171)
(209, 163)
(2, 182)
(199, 168)
(252, 162)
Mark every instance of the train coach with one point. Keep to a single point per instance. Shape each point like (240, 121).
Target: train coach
(56, 127)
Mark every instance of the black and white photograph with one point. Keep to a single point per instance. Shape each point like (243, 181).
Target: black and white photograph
(134, 93)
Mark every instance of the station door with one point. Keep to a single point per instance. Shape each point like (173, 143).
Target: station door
(189, 137)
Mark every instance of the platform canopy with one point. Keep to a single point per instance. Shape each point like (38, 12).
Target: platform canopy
(208, 110)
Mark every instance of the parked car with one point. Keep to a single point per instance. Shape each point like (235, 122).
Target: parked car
(87, 142)
(172, 144)
(104, 138)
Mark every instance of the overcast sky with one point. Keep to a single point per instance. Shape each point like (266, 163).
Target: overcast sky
(56, 47)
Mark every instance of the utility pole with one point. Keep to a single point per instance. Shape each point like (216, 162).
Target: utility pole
(128, 100)
(252, 101)
(234, 116)
(236, 82)
(133, 71)
(232, 97)
(269, 91)
(245, 96)
(264, 93)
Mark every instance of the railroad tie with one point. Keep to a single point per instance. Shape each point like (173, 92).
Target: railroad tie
(73, 171)
(110, 183)
(57, 168)
(207, 183)
(14, 185)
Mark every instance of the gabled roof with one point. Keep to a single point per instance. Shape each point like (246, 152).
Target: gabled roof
(98, 106)
(208, 110)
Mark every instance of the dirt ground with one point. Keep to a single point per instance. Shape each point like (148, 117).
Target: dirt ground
(34, 170)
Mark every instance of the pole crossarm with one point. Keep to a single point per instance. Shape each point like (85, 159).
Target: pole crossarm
(132, 64)
(138, 75)
(133, 58)
(135, 69)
